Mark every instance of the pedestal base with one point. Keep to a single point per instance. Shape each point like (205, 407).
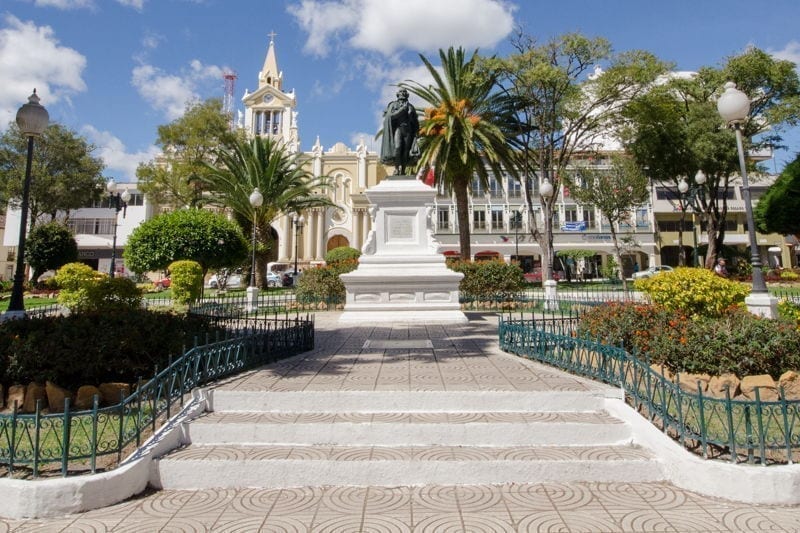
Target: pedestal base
(762, 304)
(252, 299)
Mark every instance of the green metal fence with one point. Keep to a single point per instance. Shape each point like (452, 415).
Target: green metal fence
(766, 432)
(76, 439)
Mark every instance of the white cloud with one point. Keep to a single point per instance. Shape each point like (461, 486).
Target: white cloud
(790, 52)
(120, 163)
(169, 93)
(31, 57)
(386, 26)
(65, 4)
(135, 4)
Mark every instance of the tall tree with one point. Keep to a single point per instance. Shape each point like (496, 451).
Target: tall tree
(676, 130)
(615, 191)
(187, 144)
(777, 209)
(467, 130)
(49, 247)
(64, 174)
(566, 104)
(266, 164)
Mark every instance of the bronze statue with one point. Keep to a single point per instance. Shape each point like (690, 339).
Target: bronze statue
(400, 129)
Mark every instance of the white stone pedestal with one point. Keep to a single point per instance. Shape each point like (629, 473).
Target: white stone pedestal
(401, 276)
(762, 304)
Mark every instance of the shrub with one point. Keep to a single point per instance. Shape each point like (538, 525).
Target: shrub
(342, 253)
(322, 283)
(736, 341)
(96, 346)
(695, 292)
(187, 281)
(113, 294)
(788, 275)
(492, 279)
(789, 310)
(74, 280)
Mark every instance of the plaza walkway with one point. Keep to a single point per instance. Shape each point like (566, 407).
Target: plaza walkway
(355, 415)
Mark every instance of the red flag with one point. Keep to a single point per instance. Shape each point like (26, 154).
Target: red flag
(430, 177)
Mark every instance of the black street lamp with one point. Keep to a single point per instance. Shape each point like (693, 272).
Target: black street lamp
(32, 119)
(118, 202)
(734, 108)
(690, 193)
(298, 222)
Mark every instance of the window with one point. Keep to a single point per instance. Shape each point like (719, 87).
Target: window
(92, 226)
(571, 214)
(479, 219)
(556, 222)
(642, 220)
(477, 190)
(515, 220)
(663, 193)
(497, 218)
(588, 217)
(495, 189)
(514, 188)
(443, 219)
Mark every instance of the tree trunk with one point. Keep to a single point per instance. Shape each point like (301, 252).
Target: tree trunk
(462, 214)
(681, 249)
(618, 255)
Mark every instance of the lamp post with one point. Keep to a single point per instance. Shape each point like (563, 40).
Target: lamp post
(32, 119)
(696, 188)
(256, 200)
(118, 202)
(297, 221)
(550, 303)
(734, 108)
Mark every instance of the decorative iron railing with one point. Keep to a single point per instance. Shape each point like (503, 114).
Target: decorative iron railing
(766, 432)
(76, 439)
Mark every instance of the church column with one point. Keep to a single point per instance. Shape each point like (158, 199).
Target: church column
(321, 235)
(308, 236)
(357, 236)
(285, 244)
(365, 220)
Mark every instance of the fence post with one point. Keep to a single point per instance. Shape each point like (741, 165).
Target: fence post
(760, 425)
(679, 405)
(37, 437)
(65, 439)
(95, 404)
(731, 432)
(787, 430)
(703, 436)
(121, 425)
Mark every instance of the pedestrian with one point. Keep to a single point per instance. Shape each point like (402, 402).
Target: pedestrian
(720, 269)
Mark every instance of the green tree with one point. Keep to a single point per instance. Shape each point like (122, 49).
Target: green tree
(266, 164)
(64, 173)
(777, 209)
(567, 103)
(615, 191)
(49, 247)
(466, 130)
(186, 143)
(675, 130)
(193, 234)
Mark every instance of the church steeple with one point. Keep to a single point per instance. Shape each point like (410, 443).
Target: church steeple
(270, 75)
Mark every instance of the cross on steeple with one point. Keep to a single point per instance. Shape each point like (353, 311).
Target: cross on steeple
(272, 35)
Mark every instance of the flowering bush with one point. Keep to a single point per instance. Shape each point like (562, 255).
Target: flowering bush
(788, 275)
(696, 292)
(489, 278)
(736, 341)
(790, 311)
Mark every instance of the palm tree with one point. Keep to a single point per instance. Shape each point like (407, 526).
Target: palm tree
(466, 131)
(266, 164)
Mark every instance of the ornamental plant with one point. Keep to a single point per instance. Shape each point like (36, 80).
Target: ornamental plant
(322, 283)
(493, 279)
(342, 253)
(187, 281)
(73, 280)
(695, 292)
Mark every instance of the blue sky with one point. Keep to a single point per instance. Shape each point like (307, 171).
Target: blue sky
(114, 70)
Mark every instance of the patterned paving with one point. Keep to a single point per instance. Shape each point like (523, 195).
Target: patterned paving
(463, 357)
(546, 507)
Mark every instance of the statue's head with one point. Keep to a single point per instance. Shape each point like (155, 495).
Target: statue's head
(402, 94)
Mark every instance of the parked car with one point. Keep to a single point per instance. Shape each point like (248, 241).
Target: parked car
(535, 275)
(652, 271)
(273, 280)
(163, 283)
(234, 282)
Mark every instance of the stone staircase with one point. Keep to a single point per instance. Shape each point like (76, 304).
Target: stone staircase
(398, 438)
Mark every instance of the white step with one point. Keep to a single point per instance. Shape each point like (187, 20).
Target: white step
(507, 428)
(203, 467)
(411, 401)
